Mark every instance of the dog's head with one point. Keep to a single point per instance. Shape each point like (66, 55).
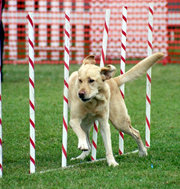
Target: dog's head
(91, 78)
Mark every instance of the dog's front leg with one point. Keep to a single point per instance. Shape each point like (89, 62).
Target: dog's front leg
(82, 142)
(106, 135)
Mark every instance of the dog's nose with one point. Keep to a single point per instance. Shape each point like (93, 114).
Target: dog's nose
(81, 94)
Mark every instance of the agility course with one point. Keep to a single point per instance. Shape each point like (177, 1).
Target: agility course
(66, 83)
(71, 152)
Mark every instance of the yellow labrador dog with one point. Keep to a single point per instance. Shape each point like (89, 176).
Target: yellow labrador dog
(94, 95)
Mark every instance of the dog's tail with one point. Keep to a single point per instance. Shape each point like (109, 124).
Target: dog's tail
(139, 69)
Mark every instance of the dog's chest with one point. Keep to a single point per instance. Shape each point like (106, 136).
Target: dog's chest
(96, 107)
(88, 119)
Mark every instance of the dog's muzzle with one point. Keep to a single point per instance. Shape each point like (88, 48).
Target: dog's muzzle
(82, 96)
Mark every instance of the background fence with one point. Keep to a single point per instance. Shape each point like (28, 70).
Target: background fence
(87, 20)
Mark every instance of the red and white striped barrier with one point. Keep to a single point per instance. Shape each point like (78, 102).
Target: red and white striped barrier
(102, 63)
(31, 92)
(1, 168)
(122, 67)
(66, 87)
(148, 78)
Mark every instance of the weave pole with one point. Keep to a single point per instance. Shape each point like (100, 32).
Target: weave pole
(105, 38)
(66, 87)
(102, 63)
(31, 91)
(148, 76)
(1, 168)
(122, 67)
(1, 153)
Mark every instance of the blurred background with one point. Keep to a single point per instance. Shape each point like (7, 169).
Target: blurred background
(87, 23)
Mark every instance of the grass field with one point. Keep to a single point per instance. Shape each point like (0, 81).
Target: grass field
(160, 169)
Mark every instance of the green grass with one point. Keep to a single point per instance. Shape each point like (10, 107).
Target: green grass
(132, 172)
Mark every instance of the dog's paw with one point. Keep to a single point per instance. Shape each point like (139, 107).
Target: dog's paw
(82, 145)
(73, 158)
(82, 156)
(112, 163)
(143, 152)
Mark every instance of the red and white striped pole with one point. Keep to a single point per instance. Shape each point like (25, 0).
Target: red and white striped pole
(94, 141)
(66, 87)
(102, 63)
(148, 78)
(122, 68)
(1, 168)
(31, 92)
(105, 38)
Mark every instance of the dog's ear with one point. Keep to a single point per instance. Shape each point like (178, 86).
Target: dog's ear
(89, 60)
(108, 72)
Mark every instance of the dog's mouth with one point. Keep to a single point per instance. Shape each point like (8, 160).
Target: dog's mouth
(85, 99)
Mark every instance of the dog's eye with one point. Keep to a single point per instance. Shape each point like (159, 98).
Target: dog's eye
(91, 80)
(80, 81)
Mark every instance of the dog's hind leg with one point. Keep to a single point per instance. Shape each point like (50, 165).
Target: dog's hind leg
(126, 127)
(122, 122)
(136, 135)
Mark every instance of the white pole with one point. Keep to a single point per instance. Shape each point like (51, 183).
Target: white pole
(31, 92)
(122, 68)
(1, 167)
(102, 63)
(148, 78)
(66, 87)
(105, 38)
